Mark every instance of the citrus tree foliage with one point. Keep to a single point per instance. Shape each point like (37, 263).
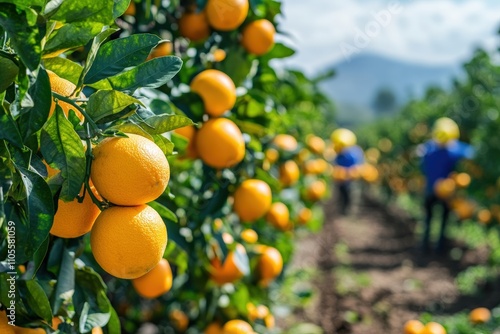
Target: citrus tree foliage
(120, 88)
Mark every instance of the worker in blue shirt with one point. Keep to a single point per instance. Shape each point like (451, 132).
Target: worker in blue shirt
(349, 155)
(440, 156)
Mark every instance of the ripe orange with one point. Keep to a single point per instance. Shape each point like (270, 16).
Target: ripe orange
(257, 312)
(220, 143)
(5, 328)
(484, 216)
(289, 173)
(444, 188)
(161, 50)
(315, 166)
(189, 132)
(217, 91)
(316, 190)
(279, 216)
(65, 88)
(315, 144)
(249, 236)
(213, 328)
(130, 9)
(480, 315)
(463, 208)
(413, 327)
(156, 282)
(252, 200)
(228, 271)
(56, 321)
(272, 155)
(226, 15)
(462, 180)
(433, 328)
(237, 327)
(269, 321)
(270, 265)
(74, 219)
(369, 173)
(179, 320)
(129, 171)
(97, 330)
(285, 142)
(258, 37)
(219, 55)
(305, 215)
(128, 242)
(340, 174)
(194, 25)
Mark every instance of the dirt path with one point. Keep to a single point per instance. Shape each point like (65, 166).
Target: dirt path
(371, 277)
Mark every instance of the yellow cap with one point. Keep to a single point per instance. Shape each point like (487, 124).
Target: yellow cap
(445, 129)
(342, 138)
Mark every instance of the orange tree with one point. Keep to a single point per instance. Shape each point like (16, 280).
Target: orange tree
(90, 95)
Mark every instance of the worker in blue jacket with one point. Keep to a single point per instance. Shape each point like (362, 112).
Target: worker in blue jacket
(349, 155)
(440, 156)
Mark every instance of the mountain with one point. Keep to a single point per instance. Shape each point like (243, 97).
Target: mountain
(357, 82)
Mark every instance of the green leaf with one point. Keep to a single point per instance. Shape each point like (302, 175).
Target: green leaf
(33, 223)
(90, 300)
(85, 11)
(36, 299)
(25, 36)
(64, 68)
(113, 325)
(237, 65)
(119, 7)
(117, 55)
(152, 74)
(9, 130)
(279, 51)
(6, 171)
(104, 103)
(8, 73)
(62, 149)
(65, 286)
(164, 212)
(163, 123)
(166, 146)
(32, 119)
(39, 256)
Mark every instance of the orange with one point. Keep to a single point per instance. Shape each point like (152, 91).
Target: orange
(129, 171)
(285, 142)
(213, 328)
(161, 50)
(226, 15)
(279, 216)
(216, 89)
(156, 282)
(227, 272)
(272, 155)
(130, 9)
(5, 328)
(179, 319)
(462, 180)
(315, 166)
(269, 321)
(463, 208)
(270, 265)
(128, 242)
(257, 312)
(444, 188)
(65, 88)
(249, 236)
(258, 37)
(369, 173)
(252, 200)
(340, 174)
(194, 25)
(289, 173)
(315, 144)
(97, 330)
(413, 327)
(480, 315)
(237, 327)
(433, 328)
(189, 132)
(220, 143)
(484, 216)
(305, 215)
(316, 190)
(56, 321)
(74, 219)
(303, 155)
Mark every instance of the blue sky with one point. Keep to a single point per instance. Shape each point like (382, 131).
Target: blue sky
(420, 31)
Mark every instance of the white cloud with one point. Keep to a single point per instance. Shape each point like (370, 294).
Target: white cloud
(424, 31)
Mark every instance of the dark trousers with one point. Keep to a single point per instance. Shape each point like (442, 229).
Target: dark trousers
(430, 202)
(344, 193)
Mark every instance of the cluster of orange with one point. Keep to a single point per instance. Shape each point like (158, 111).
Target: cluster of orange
(477, 316)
